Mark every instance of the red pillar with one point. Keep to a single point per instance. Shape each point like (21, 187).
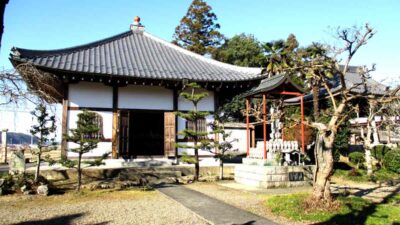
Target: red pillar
(265, 125)
(302, 122)
(247, 127)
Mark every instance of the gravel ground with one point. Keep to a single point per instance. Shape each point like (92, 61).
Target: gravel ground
(250, 201)
(124, 207)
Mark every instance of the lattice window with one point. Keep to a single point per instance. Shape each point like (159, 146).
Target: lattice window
(97, 121)
(201, 127)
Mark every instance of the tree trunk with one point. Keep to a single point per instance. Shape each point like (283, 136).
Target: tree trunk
(374, 132)
(368, 144)
(324, 161)
(368, 160)
(3, 4)
(196, 151)
(221, 169)
(196, 165)
(315, 93)
(79, 172)
(37, 168)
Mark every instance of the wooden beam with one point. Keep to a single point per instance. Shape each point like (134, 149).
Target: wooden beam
(302, 124)
(175, 97)
(247, 127)
(115, 123)
(253, 138)
(216, 100)
(64, 121)
(265, 125)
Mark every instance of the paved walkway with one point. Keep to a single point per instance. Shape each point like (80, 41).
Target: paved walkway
(213, 210)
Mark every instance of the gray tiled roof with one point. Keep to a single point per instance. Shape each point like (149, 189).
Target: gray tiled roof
(280, 82)
(138, 55)
(354, 84)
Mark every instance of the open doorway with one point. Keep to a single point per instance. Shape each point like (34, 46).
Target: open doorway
(141, 134)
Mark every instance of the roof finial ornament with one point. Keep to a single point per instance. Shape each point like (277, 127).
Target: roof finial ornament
(136, 26)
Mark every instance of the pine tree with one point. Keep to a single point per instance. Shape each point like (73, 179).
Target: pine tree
(44, 127)
(85, 136)
(199, 137)
(222, 149)
(241, 50)
(198, 30)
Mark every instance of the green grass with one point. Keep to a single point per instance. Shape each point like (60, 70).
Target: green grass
(342, 170)
(352, 210)
(344, 174)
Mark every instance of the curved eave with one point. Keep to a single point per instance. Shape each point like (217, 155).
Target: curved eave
(275, 85)
(15, 62)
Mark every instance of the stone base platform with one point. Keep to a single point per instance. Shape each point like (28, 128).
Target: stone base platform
(274, 176)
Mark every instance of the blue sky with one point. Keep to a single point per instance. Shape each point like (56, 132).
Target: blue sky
(49, 24)
(52, 24)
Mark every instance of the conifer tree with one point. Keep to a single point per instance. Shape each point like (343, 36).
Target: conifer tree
(198, 30)
(45, 126)
(241, 50)
(85, 136)
(194, 116)
(221, 148)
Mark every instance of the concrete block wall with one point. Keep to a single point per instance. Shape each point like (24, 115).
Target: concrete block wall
(273, 176)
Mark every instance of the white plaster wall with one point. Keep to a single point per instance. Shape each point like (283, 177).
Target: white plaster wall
(206, 104)
(90, 94)
(240, 136)
(102, 147)
(145, 97)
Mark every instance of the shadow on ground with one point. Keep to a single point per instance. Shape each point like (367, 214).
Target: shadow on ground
(360, 216)
(60, 220)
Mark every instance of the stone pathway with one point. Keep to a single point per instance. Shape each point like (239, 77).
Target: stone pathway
(212, 210)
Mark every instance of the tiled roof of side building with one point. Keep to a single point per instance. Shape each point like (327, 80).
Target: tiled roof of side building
(136, 55)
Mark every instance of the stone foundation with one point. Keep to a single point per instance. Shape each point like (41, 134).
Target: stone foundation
(274, 176)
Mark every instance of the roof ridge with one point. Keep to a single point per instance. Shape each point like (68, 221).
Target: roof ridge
(204, 59)
(32, 52)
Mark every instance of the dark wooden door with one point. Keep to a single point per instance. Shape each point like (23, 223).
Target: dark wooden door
(169, 134)
(124, 134)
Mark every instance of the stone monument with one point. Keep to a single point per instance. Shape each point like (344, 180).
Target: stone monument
(17, 162)
(3, 150)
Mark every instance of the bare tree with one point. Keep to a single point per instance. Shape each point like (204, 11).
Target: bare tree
(353, 39)
(385, 106)
(12, 88)
(28, 83)
(324, 66)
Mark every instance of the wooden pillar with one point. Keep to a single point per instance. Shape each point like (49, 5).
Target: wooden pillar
(253, 138)
(216, 105)
(265, 125)
(247, 127)
(302, 123)
(64, 122)
(115, 138)
(175, 97)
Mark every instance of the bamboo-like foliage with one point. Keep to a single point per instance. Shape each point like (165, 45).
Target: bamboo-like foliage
(199, 138)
